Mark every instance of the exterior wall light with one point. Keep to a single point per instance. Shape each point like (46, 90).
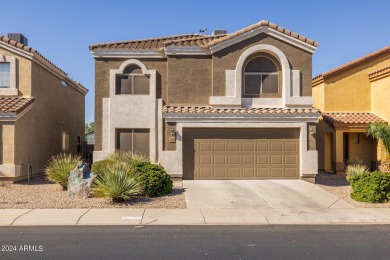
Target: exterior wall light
(172, 137)
(312, 129)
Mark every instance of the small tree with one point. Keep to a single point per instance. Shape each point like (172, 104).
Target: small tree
(381, 132)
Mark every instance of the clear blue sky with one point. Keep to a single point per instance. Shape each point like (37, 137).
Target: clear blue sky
(63, 30)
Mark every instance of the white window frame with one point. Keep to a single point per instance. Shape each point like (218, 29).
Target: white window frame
(12, 90)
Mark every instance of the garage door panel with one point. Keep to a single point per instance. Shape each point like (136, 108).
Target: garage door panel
(220, 173)
(276, 159)
(219, 147)
(291, 147)
(204, 147)
(244, 158)
(234, 159)
(234, 173)
(205, 173)
(290, 172)
(263, 159)
(220, 160)
(248, 146)
(233, 147)
(205, 160)
(291, 159)
(262, 173)
(276, 173)
(248, 159)
(277, 146)
(249, 173)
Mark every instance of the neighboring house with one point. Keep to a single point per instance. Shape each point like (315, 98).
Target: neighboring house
(351, 97)
(221, 106)
(41, 110)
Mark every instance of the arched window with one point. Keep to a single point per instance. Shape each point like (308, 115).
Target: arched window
(132, 81)
(261, 77)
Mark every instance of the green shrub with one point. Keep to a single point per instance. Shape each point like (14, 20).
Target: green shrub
(116, 182)
(154, 179)
(59, 167)
(370, 187)
(127, 159)
(355, 170)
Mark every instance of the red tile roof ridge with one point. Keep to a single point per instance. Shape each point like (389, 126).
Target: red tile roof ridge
(354, 62)
(94, 46)
(269, 24)
(40, 56)
(15, 104)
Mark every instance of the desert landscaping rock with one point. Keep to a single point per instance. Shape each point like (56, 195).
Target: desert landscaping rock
(43, 194)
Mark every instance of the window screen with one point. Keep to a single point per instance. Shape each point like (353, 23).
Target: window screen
(132, 82)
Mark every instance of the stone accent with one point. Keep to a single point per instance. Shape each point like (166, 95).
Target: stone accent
(80, 181)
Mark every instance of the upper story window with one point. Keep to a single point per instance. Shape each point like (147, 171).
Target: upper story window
(132, 81)
(5, 69)
(262, 77)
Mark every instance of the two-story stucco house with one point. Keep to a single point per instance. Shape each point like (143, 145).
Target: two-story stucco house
(221, 106)
(351, 97)
(41, 110)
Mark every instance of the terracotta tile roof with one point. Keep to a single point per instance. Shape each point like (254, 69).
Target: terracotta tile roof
(15, 104)
(151, 43)
(194, 39)
(350, 64)
(200, 41)
(235, 111)
(268, 24)
(345, 119)
(39, 56)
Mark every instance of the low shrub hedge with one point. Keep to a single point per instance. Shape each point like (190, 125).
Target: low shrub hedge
(371, 187)
(154, 179)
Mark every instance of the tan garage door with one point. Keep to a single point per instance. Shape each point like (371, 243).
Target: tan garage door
(246, 158)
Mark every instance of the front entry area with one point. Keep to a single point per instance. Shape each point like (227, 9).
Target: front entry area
(232, 153)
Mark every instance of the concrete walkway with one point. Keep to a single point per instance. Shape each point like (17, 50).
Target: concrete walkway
(241, 216)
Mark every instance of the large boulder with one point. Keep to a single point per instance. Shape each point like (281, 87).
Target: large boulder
(80, 181)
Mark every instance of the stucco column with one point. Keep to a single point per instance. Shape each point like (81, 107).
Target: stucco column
(338, 146)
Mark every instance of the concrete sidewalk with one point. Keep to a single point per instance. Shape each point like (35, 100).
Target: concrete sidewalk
(245, 216)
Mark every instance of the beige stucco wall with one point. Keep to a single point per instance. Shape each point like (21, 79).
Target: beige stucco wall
(227, 58)
(102, 87)
(7, 148)
(23, 72)
(56, 109)
(189, 80)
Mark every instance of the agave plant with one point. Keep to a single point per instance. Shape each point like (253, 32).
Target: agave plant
(355, 170)
(381, 132)
(116, 182)
(59, 167)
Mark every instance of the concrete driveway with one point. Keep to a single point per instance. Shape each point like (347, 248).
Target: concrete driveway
(261, 194)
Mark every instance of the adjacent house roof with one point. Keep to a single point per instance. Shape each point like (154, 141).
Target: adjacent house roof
(239, 111)
(199, 40)
(350, 64)
(45, 61)
(344, 119)
(15, 104)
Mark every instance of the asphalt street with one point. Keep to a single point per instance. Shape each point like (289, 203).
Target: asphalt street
(196, 242)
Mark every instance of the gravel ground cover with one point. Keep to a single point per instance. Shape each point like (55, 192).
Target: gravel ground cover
(339, 186)
(41, 193)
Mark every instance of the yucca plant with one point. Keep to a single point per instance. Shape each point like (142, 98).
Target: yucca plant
(355, 170)
(381, 132)
(116, 182)
(59, 167)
